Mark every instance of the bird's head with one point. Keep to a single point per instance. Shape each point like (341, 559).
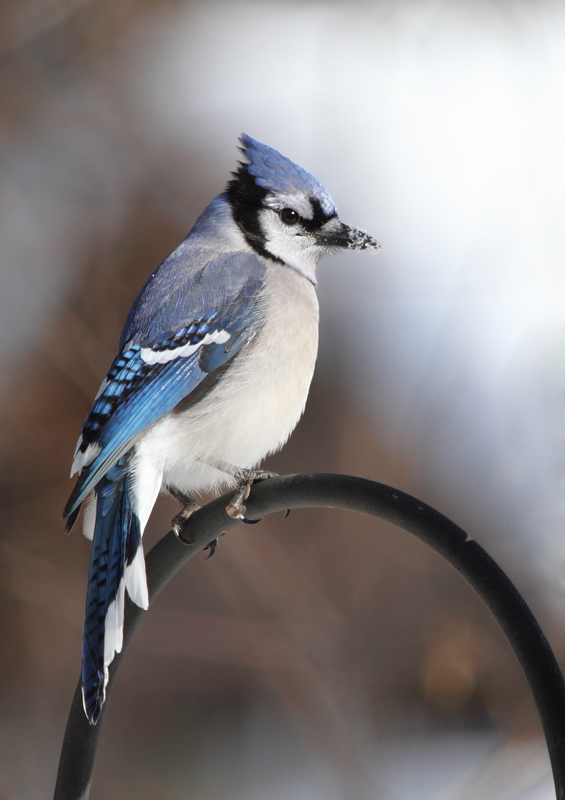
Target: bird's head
(285, 213)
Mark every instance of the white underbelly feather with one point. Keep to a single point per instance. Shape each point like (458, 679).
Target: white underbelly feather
(254, 408)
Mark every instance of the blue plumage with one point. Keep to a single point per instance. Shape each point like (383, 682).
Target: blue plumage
(212, 373)
(190, 285)
(280, 175)
(117, 541)
(138, 393)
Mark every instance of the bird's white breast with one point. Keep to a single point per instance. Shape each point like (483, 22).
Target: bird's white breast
(253, 409)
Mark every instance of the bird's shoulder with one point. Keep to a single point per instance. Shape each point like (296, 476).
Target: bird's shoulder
(212, 270)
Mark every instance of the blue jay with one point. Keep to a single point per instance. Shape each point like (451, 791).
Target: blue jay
(213, 369)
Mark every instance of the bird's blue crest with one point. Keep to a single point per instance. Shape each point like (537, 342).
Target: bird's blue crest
(276, 173)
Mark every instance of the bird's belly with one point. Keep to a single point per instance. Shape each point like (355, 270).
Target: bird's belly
(254, 408)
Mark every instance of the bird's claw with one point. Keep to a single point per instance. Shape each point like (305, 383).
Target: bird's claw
(236, 509)
(212, 548)
(177, 523)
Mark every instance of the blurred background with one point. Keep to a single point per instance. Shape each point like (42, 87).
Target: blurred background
(327, 656)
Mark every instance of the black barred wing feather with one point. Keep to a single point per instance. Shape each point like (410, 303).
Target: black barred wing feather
(148, 380)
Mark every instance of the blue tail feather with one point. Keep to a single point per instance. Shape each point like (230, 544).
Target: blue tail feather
(117, 536)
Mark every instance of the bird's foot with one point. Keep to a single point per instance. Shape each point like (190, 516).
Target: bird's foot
(189, 506)
(212, 548)
(236, 509)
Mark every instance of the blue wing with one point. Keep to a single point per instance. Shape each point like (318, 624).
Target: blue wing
(161, 365)
(189, 322)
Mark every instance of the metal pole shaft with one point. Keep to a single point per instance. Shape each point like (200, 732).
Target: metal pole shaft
(355, 494)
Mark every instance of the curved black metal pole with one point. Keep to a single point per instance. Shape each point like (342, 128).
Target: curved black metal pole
(354, 494)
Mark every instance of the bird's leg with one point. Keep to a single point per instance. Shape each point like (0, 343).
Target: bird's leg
(189, 506)
(246, 478)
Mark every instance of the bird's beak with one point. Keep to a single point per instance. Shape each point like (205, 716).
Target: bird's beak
(346, 237)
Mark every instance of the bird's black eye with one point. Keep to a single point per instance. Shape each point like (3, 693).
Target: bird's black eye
(289, 216)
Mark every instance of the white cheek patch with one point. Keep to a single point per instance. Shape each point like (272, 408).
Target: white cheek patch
(292, 245)
(164, 356)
